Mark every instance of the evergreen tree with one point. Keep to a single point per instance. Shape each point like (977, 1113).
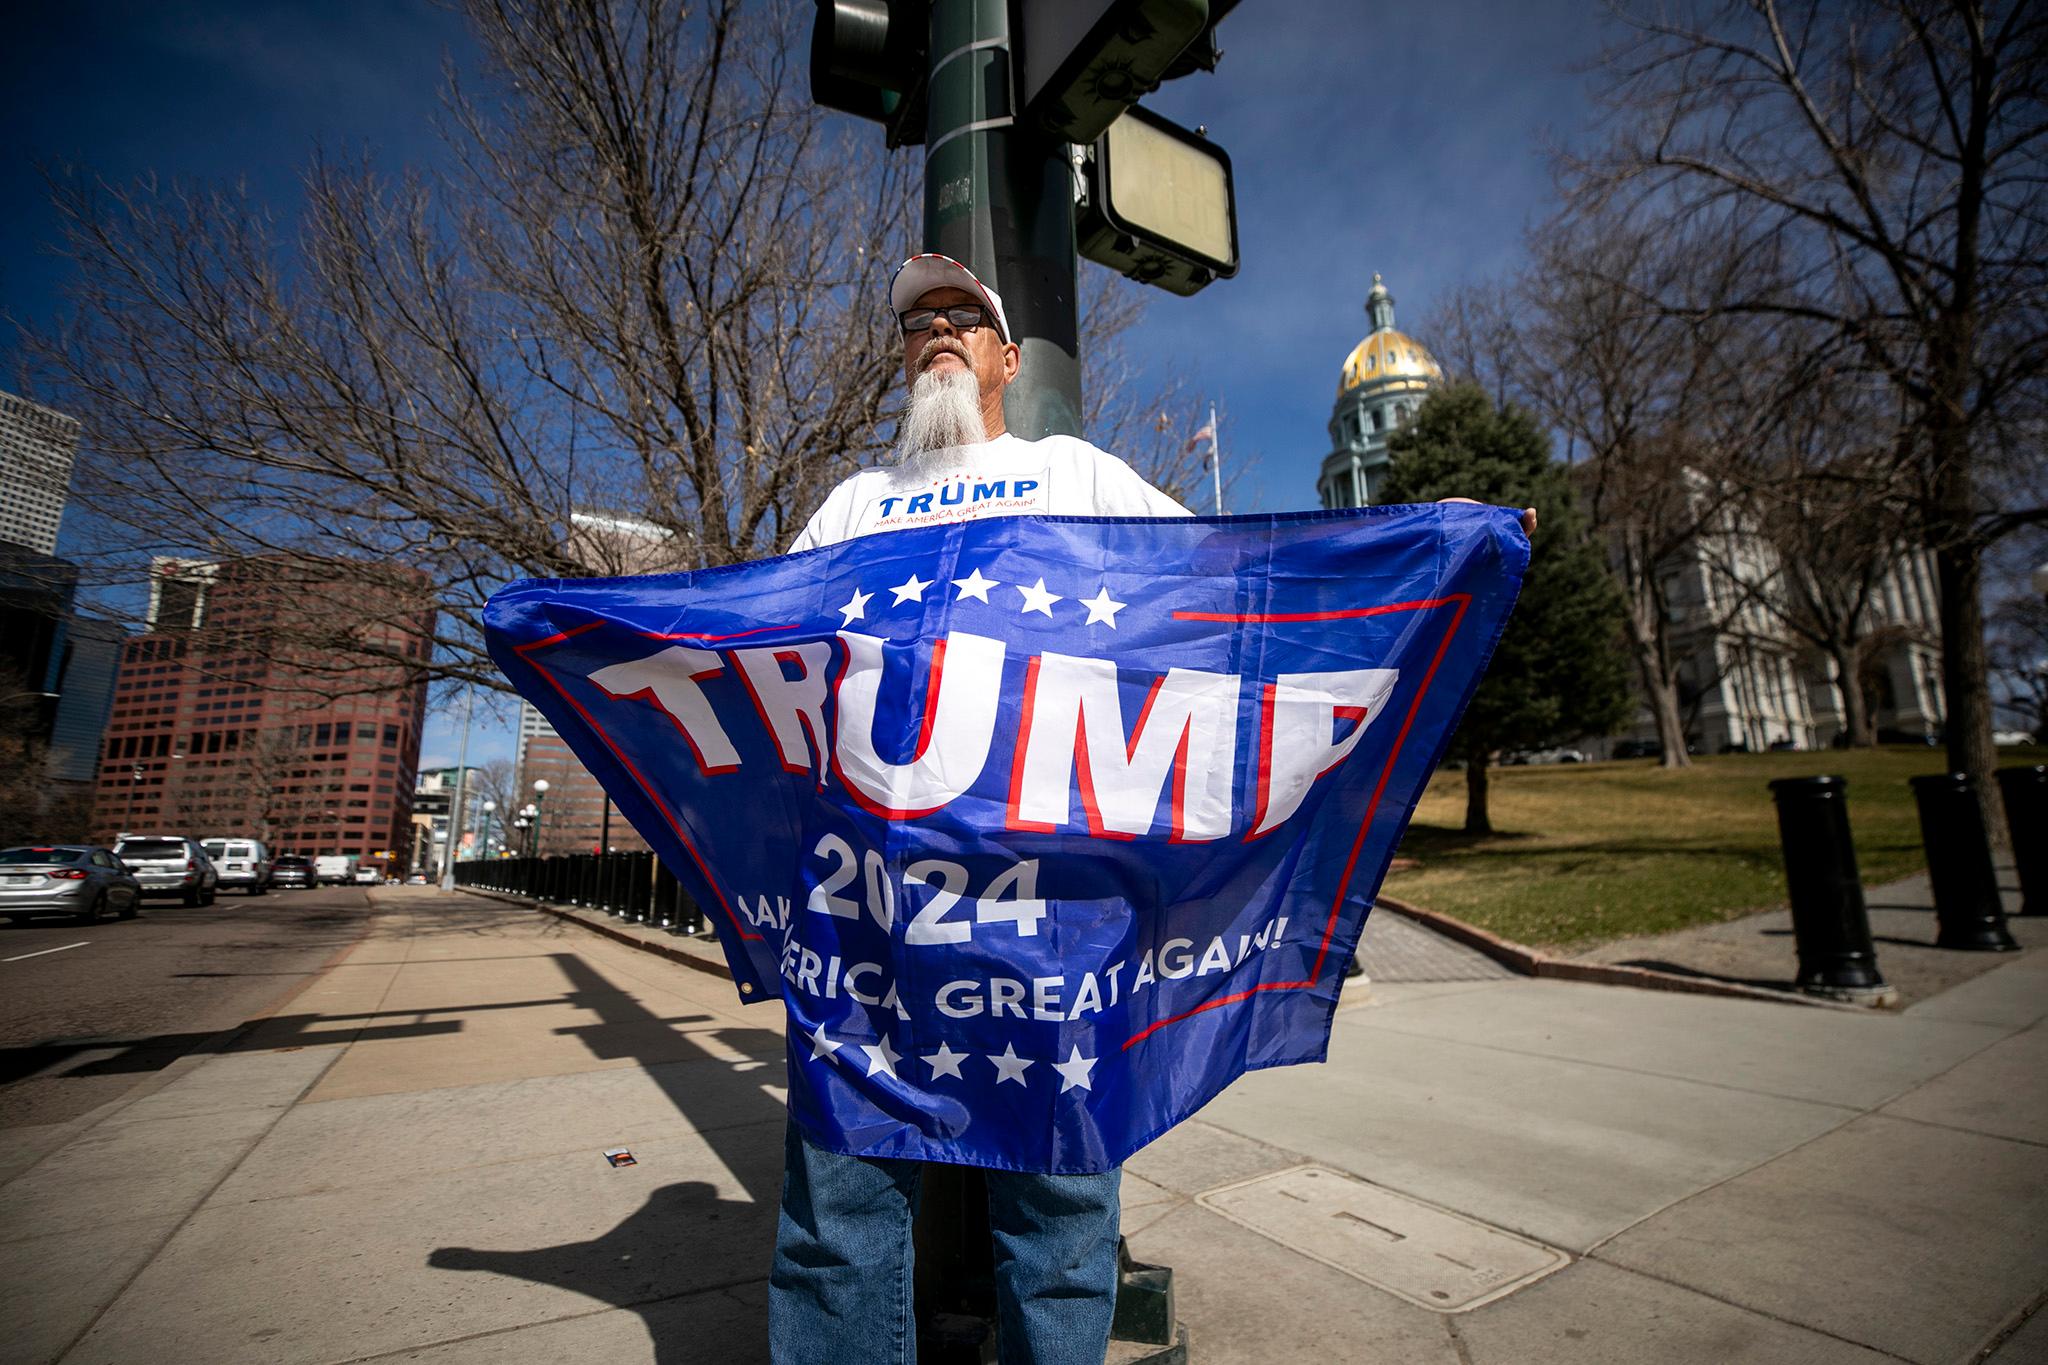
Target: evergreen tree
(1560, 671)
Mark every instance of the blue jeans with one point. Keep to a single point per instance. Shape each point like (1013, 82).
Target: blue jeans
(840, 1293)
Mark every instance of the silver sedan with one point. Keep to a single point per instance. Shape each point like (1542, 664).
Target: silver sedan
(79, 880)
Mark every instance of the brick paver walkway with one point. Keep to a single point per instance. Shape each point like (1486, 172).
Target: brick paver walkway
(1396, 948)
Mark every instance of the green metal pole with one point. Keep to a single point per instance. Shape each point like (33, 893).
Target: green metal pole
(1000, 198)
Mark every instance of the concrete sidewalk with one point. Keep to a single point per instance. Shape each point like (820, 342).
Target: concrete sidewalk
(405, 1163)
(1760, 949)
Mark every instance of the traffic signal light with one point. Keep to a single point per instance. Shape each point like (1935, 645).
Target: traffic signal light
(868, 60)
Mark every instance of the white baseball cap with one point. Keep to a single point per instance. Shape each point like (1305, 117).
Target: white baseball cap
(920, 275)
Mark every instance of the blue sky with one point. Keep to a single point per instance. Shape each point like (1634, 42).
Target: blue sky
(1408, 140)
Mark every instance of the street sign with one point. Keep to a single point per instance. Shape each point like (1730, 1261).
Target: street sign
(1160, 206)
(1086, 61)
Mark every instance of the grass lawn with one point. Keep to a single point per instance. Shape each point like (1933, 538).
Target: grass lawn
(1589, 852)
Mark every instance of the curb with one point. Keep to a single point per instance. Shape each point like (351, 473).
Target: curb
(1514, 956)
(684, 953)
(1528, 962)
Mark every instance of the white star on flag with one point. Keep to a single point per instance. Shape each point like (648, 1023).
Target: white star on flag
(946, 1062)
(856, 608)
(821, 1046)
(974, 585)
(1103, 608)
(1009, 1066)
(881, 1057)
(1074, 1071)
(912, 590)
(1036, 598)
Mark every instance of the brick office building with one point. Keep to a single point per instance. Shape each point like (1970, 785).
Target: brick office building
(573, 816)
(230, 718)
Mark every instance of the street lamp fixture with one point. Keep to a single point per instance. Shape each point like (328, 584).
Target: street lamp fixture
(540, 794)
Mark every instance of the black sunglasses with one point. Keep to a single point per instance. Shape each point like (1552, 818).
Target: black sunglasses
(965, 316)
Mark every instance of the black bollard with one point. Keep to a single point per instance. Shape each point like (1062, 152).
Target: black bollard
(667, 910)
(643, 888)
(1967, 907)
(1829, 921)
(2026, 815)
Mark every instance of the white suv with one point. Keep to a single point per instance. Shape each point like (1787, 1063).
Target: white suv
(170, 865)
(242, 862)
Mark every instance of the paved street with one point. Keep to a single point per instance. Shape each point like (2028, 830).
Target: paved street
(85, 1012)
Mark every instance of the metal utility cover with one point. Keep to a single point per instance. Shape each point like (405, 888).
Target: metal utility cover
(1426, 1255)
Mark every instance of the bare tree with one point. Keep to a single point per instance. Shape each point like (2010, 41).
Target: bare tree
(1475, 332)
(31, 806)
(2019, 659)
(647, 286)
(493, 781)
(1881, 167)
(1147, 425)
(1839, 522)
(1662, 413)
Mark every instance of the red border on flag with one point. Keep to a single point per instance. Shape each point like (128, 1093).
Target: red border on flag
(1460, 601)
(525, 652)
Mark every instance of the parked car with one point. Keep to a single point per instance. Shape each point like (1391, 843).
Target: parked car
(335, 869)
(1638, 748)
(80, 880)
(170, 865)
(416, 879)
(368, 876)
(243, 863)
(290, 869)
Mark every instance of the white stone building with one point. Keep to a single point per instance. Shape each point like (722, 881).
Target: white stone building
(1748, 682)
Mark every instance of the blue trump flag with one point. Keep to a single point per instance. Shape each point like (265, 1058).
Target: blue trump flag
(1044, 829)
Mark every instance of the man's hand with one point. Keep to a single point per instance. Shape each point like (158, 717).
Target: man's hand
(1528, 514)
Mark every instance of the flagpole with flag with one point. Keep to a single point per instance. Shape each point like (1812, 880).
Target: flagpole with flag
(1208, 433)
(1216, 459)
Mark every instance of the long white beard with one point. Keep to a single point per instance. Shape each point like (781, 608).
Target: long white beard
(944, 414)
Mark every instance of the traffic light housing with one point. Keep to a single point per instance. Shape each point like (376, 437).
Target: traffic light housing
(868, 60)
(1159, 205)
(1084, 62)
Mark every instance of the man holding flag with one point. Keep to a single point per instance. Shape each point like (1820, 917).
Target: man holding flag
(1034, 873)
(842, 1258)
(841, 1286)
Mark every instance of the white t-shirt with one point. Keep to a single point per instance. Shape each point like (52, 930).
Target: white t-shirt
(1005, 477)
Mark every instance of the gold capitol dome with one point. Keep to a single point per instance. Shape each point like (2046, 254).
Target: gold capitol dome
(1384, 381)
(1387, 360)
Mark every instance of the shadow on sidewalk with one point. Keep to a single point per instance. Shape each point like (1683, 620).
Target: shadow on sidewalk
(1771, 983)
(687, 1239)
(728, 1107)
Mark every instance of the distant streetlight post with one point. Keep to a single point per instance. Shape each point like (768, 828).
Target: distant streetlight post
(540, 796)
(489, 807)
(461, 791)
(134, 784)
